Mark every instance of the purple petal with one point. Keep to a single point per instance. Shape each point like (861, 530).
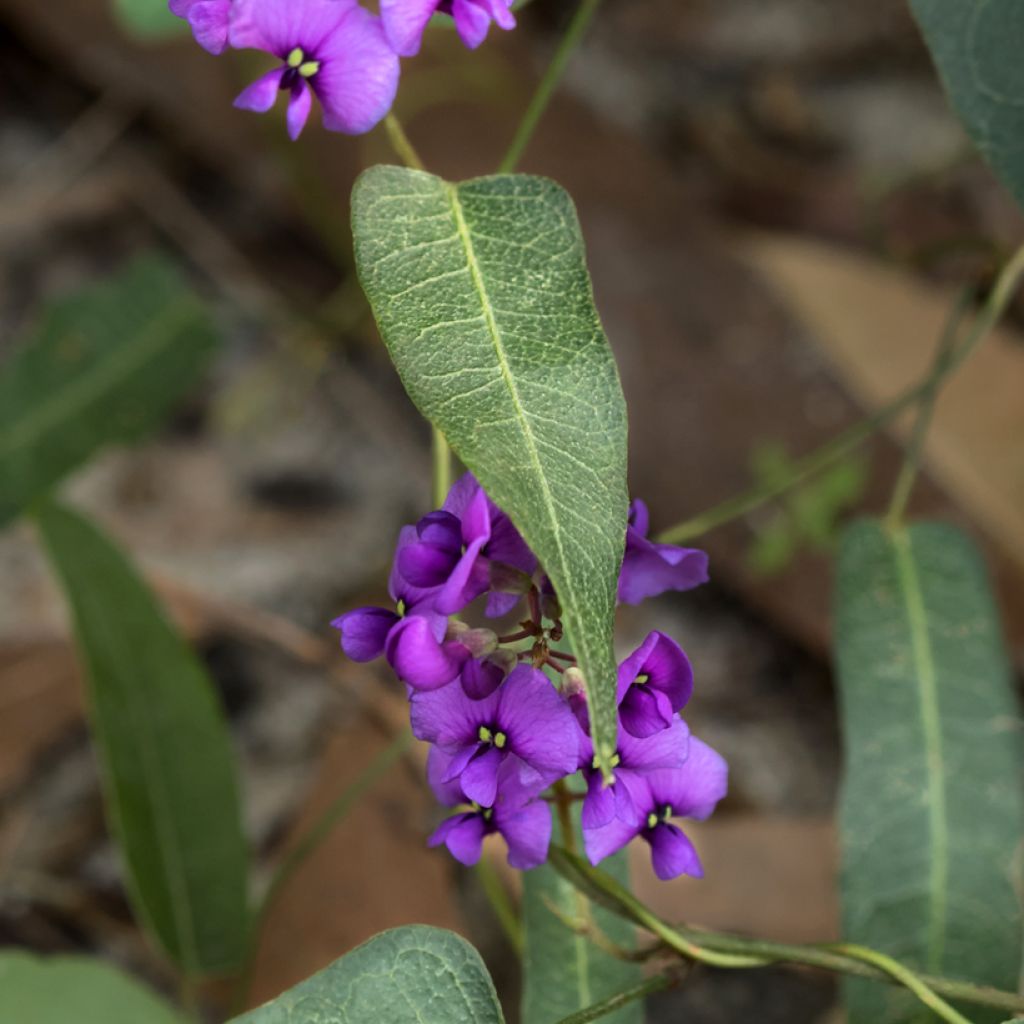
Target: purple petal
(279, 26)
(208, 20)
(665, 749)
(499, 604)
(639, 517)
(472, 22)
(476, 519)
(481, 678)
(358, 75)
(665, 665)
(461, 494)
(405, 21)
(418, 659)
(480, 777)
(527, 832)
(599, 803)
(536, 718)
(672, 853)
(448, 716)
(262, 94)
(693, 790)
(426, 565)
(644, 711)
(603, 842)
(456, 759)
(443, 782)
(463, 834)
(299, 106)
(650, 569)
(364, 632)
(468, 580)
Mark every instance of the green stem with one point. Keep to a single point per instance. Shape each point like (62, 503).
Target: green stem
(442, 467)
(545, 90)
(735, 508)
(400, 143)
(501, 904)
(699, 944)
(308, 845)
(915, 447)
(620, 999)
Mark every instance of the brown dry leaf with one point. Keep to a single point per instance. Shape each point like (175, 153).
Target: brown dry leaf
(880, 328)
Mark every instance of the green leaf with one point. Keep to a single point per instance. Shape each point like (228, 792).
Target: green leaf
(412, 975)
(61, 989)
(976, 47)
(564, 972)
(482, 297)
(931, 808)
(149, 19)
(164, 752)
(104, 365)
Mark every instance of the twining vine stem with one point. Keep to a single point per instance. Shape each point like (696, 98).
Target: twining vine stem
(737, 507)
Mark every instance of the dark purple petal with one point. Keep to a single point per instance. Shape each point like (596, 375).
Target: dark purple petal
(461, 494)
(426, 565)
(299, 106)
(672, 853)
(418, 659)
(650, 569)
(599, 803)
(468, 580)
(499, 604)
(364, 632)
(644, 711)
(463, 834)
(664, 666)
(399, 587)
(457, 757)
(693, 790)
(480, 777)
(448, 716)
(603, 842)
(480, 678)
(527, 832)
(405, 22)
(536, 718)
(639, 517)
(442, 781)
(476, 519)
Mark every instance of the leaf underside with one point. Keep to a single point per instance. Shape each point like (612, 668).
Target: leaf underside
(931, 809)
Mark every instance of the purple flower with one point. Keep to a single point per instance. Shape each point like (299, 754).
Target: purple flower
(524, 722)
(633, 760)
(655, 682)
(457, 546)
(523, 823)
(208, 19)
(691, 791)
(333, 48)
(405, 20)
(480, 677)
(649, 569)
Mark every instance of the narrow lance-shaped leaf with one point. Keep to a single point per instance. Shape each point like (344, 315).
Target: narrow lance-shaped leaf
(931, 806)
(104, 365)
(482, 297)
(563, 971)
(59, 990)
(412, 975)
(976, 47)
(164, 752)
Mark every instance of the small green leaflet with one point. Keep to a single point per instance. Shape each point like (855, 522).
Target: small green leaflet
(976, 45)
(482, 297)
(931, 808)
(66, 989)
(149, 19)
(412, 975)
(165, 755)
(104, 365)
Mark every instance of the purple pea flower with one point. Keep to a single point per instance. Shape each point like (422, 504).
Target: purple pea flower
(414, 639)
(691, 791)
(632, 761)
(524, 722)
(208, 19)
(406, 20)
(457, 546)
(655, 682)
(524, 823)
(333, 48)
(649, 569)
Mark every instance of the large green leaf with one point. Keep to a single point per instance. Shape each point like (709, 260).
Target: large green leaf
(164, 751)
(976, 46)
(104, 365)
(62, 989)
(562, 971)
(482, 297)
(931, 806)
(412, 975)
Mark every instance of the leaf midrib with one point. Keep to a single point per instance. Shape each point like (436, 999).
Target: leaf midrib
(93, 384)
(927, 683)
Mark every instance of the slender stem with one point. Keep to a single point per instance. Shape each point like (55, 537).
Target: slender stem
(308, 845)
(498, 897)
(546, 88)
(442, 467)
(911, 462)
(401, 145)
(735, 508)
(620, 999)
(563, 804)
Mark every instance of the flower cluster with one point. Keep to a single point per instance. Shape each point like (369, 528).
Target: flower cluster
(335, 50)
(506, 716)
